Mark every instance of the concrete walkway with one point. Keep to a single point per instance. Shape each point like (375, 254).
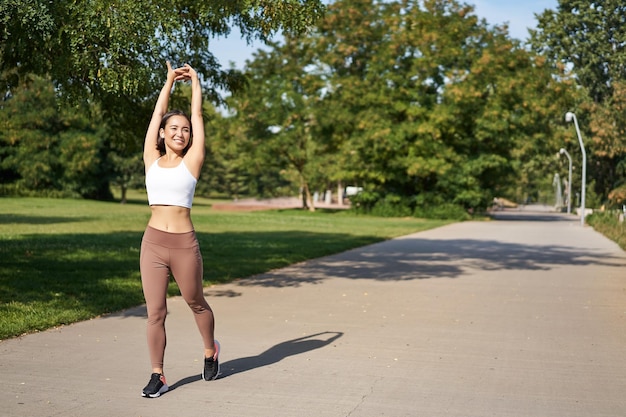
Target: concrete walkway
(523, 316)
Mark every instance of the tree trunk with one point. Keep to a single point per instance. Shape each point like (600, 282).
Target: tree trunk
(124, 190)
(307, 201)
(339, 193)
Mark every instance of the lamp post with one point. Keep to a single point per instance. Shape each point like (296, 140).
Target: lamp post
(569, 180)
(569, 116)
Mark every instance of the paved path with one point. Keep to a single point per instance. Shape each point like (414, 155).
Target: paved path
(524, 316)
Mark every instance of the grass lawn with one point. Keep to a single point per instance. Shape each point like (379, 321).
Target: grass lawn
(609, 224)
(64, 261)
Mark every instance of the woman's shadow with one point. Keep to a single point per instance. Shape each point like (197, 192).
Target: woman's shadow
(272, 355)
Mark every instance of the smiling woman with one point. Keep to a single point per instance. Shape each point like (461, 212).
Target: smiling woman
(173, 162)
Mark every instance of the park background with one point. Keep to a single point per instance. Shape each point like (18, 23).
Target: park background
(429, 108)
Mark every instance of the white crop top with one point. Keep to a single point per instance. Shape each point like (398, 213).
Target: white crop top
(170, 186)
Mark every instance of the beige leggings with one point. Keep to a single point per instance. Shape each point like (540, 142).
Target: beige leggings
(178, 253)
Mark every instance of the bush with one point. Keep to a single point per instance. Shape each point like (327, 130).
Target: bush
(364, 202)
(442, 211)
(392, 206)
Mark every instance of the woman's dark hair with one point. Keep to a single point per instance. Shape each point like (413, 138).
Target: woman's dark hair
(160, 144)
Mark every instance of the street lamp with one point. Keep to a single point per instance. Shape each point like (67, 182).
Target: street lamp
(569, 116)
(569, 180)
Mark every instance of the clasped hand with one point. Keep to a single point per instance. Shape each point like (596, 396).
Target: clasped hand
(184, 73)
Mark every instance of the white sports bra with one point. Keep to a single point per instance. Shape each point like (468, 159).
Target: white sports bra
(170, 186)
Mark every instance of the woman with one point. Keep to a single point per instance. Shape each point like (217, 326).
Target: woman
(173, 162)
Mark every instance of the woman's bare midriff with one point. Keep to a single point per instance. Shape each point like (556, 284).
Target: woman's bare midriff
(172, 219)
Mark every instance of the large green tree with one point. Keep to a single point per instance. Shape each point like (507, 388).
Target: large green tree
(111, 53)
(47, 150)
(277, 110)
(228, 169)
(421, 103)
(589, 38)
(429, 103)
(102, 47)
(589, 35)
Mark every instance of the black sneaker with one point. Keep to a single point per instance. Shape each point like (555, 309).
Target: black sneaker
(212, 365)
(155, 387)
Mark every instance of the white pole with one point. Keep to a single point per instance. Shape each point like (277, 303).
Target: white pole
(569, 116)
(569, 180)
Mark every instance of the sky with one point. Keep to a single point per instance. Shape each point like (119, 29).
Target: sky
(519, 14)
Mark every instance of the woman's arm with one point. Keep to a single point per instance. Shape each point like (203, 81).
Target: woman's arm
(196, 152)
(150, 152)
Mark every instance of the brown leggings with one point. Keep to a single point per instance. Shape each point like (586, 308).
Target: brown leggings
(178, 253)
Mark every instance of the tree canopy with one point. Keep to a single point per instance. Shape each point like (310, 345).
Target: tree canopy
(101, 47)
(47, 150)
(589, 38)
(113, 52)
(420, 103)
(589, 35)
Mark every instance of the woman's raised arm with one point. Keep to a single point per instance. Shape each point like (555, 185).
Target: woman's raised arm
(196, 153)
(150, 152)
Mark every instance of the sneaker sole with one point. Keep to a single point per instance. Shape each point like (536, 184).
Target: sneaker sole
(163, 390)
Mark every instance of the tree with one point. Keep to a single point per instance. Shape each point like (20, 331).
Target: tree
(379, 95)
(111, 53)
(429, 104)
(608, 126)
(277, 110)
(589, 38)
(225, 171)
(111, 47)
(127, 169)
(346, 44)
(589, 35)
(46, 150)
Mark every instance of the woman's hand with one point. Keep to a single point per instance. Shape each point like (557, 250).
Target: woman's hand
(171, 74)
(177, 74)
(185, 73)
(191, 72)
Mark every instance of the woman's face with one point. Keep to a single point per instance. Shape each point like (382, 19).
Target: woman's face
(177, 133)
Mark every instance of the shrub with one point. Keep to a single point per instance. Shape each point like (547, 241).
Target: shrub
(392, 206)
(364, 201)
(445, 211)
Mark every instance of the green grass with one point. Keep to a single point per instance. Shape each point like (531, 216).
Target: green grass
(63, 261)
(608, 223)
